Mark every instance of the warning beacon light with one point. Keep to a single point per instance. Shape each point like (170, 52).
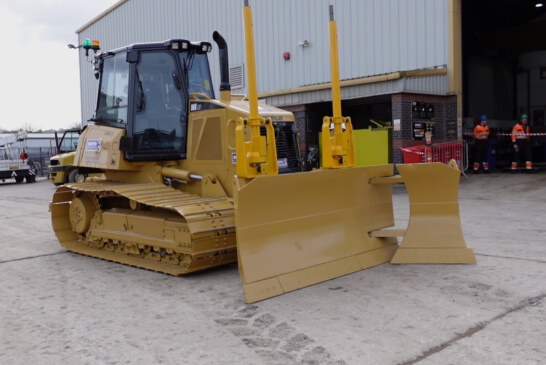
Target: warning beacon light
(90, 44)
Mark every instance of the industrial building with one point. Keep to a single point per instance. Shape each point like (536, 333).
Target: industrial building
(410, 64)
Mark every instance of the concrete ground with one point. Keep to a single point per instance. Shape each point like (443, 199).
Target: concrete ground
(58, 307)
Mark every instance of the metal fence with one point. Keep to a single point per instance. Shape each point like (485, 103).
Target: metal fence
(438, 152)
(40, 156)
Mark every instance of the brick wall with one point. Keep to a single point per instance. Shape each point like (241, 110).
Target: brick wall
(445, 120)
(307, 126)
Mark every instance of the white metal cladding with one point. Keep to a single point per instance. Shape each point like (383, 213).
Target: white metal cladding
(375, 37)
(436, 84)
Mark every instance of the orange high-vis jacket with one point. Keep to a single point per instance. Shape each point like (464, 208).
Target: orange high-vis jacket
(481, 132)
(520, 132)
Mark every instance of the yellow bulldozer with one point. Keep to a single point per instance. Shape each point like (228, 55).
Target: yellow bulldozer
(191, 182)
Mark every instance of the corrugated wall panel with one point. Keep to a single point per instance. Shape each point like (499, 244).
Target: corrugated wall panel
(375, 36)
(436, 84)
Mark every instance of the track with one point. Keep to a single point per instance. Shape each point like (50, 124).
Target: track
(151, 226)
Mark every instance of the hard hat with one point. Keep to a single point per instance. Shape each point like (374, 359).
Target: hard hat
(483, 117)
(524, 116)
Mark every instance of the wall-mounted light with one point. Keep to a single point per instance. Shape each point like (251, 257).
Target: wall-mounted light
(539, 5)
(304, 43)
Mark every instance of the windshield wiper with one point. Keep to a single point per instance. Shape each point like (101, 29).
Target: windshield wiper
(141, 101)
(109, 122)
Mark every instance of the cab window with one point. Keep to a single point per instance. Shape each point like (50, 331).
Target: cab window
(160, 114)
(113, 95)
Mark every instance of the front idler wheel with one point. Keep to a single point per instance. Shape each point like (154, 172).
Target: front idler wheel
(81, 211)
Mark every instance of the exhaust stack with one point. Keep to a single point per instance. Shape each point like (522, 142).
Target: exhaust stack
(225, 87)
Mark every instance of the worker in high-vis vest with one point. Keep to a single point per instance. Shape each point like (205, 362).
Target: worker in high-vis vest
(522, 143)
(481, 145)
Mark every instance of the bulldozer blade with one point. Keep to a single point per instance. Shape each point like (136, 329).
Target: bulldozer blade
(297, 230)
(434, 234)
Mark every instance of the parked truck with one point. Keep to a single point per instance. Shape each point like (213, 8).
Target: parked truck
(14, 161)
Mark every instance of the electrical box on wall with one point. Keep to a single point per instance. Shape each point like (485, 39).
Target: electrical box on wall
(421, 110)
(419, 129)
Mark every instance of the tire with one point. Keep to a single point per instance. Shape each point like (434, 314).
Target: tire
(30, 178)
(19, 179)
(76, 177)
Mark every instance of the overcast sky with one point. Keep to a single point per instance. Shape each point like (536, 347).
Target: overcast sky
(39, 84)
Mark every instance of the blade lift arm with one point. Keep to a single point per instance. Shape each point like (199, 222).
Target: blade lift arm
(337, 131)
(256, 155)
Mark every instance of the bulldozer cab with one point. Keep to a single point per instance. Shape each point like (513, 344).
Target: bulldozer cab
(145, 89)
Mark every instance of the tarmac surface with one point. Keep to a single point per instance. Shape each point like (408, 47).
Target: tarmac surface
(57, 307)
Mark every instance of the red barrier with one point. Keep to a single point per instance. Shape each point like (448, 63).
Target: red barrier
(437, 152)
(415, 154)
(444, 152)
